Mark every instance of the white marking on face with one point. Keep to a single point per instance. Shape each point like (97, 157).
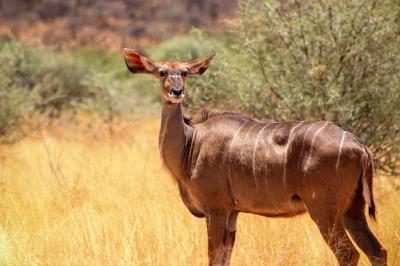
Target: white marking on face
(340, 151)
(254, 154)
(313, 194)
(174, 75)
(312, 143)
(173, 98)
(286, 152)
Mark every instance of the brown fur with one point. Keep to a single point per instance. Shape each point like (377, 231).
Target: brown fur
(226, 163)
(205, 114)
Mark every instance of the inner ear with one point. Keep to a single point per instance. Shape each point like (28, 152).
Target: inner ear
(138, 63)
(199, 66)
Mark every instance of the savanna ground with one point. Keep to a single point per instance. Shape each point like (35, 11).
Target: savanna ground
(71, 194)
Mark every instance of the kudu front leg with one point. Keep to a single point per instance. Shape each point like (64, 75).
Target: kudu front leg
(221, 229)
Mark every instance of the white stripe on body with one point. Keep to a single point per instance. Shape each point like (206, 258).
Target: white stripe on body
(245, 137)
(340, 151)
(233, 140)
(271, 139)
(254, 153)
(234, 137)
(286, 152)
(229, 157)
(303, 144)
(312, 142)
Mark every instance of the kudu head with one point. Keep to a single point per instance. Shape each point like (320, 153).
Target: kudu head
(172, 74)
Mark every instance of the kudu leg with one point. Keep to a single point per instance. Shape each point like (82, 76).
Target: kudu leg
(229, 238)
(221, 229)
(332, 229)
(356, 224)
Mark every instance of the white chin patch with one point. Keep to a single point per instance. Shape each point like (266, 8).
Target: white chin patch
(175, 99)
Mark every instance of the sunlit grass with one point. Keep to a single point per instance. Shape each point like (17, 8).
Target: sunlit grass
(72, 195)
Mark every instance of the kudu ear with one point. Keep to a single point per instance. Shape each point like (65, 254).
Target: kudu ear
(137, 63)
(199, 66)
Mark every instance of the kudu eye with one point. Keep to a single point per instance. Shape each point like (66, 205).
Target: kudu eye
(184, 73)
(163, 73)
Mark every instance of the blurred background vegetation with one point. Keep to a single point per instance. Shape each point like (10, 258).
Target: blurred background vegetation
(277, 60)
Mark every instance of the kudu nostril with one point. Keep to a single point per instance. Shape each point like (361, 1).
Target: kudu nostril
(177, 91)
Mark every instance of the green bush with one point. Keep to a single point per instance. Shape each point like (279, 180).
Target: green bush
(182, 48)
(15, 105)
(37, 81)
(51, 82)
(316, 60)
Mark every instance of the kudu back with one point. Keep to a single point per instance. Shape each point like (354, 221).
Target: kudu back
(226, 163)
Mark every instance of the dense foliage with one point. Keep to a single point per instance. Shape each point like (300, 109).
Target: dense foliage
(36, 81)
(316, 60)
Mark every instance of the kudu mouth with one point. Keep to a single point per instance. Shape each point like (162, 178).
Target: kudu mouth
(175, 96)
(176, 93)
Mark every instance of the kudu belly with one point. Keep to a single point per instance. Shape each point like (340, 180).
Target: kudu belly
(264, 182)
(264, 173)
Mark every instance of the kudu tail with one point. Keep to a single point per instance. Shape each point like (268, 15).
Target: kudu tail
(367, 175)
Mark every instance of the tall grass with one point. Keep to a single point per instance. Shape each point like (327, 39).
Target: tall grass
(72, 195)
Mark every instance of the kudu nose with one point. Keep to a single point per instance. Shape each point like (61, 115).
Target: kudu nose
(177, 91)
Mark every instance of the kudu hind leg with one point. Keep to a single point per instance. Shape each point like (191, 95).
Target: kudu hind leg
(220, 238)
(332, 229)
(356, 224)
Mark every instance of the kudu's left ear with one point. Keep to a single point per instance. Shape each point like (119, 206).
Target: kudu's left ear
(199, 66)
(137, 63)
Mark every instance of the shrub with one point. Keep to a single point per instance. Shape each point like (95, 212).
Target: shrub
(318, 60)
(53, 82)
(180, 48)
(14, 105)
(16, 102)
(37, 81)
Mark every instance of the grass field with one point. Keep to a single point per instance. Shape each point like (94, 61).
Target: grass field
(73, 195)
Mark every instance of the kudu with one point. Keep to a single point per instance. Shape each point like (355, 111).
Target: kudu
(226, 163)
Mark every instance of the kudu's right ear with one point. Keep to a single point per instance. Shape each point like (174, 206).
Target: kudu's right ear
(137, 63)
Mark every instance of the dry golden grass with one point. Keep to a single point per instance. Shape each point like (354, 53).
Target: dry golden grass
(71, 195)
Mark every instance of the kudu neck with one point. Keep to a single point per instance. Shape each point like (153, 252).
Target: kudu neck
(174, 135)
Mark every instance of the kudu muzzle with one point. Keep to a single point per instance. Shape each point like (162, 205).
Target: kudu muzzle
(177, 85)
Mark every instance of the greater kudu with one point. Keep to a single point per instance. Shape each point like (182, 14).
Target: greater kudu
(226, 163)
